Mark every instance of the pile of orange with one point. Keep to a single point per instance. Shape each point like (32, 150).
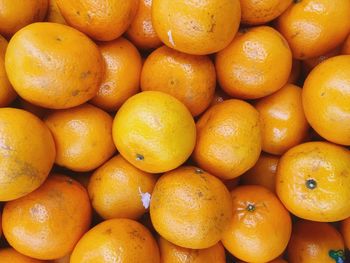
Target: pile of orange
(174, 131)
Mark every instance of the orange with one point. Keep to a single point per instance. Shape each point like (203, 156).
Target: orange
(64, 259)
(119, 190)
(54, 14)
(102, 20)
(257, 63)
(170, 253)
(191, 79)
(116, 240)
(17, 14)
(312, 181)
(346, 46)
(260, 12)
(326, 96)
(47, 223)
(345, 231)
(284, 124)
(314, 242)
(196, 27)
(122, 74)
(27, 153)
(314, 27)
(141, 31)
(295, 73)
(9, 255)
(190, 208)
(263, 172)
(83, 137)
(53, 65)
(260, 227)
(154, 132)
(228, 139)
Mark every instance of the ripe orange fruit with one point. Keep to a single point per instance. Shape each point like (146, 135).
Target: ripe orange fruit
(141, 31)
(196, 28)
(47, 223)
(314, 242)
(314, 27)
(17, 14)
(257, 63)
(284, 124)
(191, 79)
(312, 181)
(54, 14)
(228, 139)
(9, 255)
(170, 253)
(64, 259)
(295, 73)
(254, 234)
(103, 20)
(114, 240)
(260, 12)
(190, 208)
(154, 131)
(262, 173)
(119, 190)
(345, 231)
(326, 99)
(53, 65)
(27, 153)
(83, 137)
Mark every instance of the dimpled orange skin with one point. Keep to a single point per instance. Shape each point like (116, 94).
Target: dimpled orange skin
(228, 139)
(122, 74)
(306, 26)
(9, 255)
(101, 20)
(262, 173)
(47, 223)
(189, 78)
(54, 14)
(254, 234)
(190, 208)
(27, 153)
(284, 124)
(257, 63)
(170, 253)
(196, 27)
(17, 14)
(83, 137)
(53, 65)
(345, 231)
(326, 96)
(311, 242)
(141, 31)
(116, 240)
(116, 189)
(312, 181)
(154, 131)
(260, 12)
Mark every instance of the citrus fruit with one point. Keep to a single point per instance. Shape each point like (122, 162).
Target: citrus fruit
(9, 255)
(54, 14)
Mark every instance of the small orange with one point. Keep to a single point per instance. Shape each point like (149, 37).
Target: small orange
(47, 223)
(116, 240)
(345, 231)
(295, 73)
(284, 124)
(190, 208)
(170, 253)
(53, 65)
(191, 79)
(314, 242)
(154, 131)
(83, 137)
(54, 14)
(119, 190)
(17, 14)
(263, 172)
(228, 139)
(196, 27)
(257, 63)
(326, 96)
(27, 153)
(260, 227)
(141, 31)
(346, 47)
(102, 20)
(122, 74)
(312, 181)
(9, 255)
(315, 27)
